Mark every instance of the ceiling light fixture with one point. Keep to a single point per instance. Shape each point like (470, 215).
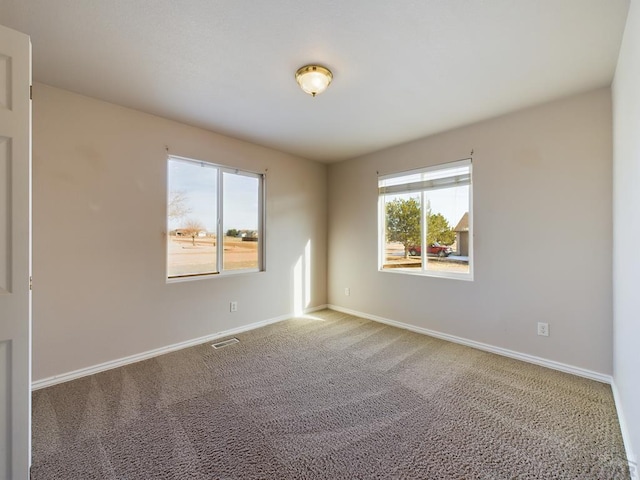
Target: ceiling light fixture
(313, 79)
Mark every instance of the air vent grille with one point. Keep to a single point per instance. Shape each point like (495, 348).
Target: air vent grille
(225, 343)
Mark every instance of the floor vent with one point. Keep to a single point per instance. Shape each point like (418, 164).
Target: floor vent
(225, 343)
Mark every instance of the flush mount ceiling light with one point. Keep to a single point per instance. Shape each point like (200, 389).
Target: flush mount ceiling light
(313, 79)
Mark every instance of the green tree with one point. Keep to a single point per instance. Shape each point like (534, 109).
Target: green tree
(232, 232)
(438, 229)
(403, 222)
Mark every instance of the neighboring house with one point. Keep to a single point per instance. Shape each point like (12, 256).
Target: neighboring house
(182, 233)
(462, 235)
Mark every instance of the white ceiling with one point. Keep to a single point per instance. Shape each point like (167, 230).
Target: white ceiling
(402, 69)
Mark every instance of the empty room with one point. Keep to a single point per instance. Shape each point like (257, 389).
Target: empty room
(319, 240)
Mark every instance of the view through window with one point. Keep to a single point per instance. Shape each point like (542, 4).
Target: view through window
(425, 221)
(214, 217)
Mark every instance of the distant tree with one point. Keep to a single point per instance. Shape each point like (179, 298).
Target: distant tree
(232, 232)
(438, 229)
(177, 207)
(192, 228)
(403, 223)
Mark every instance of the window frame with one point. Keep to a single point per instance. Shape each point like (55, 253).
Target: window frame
(382, 233)
(220, 234)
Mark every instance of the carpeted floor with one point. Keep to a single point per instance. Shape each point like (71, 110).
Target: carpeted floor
(328, 396)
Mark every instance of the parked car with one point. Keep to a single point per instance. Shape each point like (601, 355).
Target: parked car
(433, 249)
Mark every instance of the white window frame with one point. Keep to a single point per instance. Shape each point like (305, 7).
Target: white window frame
(423, 187)
(221, 170)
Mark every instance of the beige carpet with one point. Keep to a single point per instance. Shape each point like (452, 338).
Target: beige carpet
(329, 396)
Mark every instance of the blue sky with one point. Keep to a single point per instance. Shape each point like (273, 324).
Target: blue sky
(198, 182)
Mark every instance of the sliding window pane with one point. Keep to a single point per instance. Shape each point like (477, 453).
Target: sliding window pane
(447, 230)
(192, 213)
(241, 221)
(403, 231)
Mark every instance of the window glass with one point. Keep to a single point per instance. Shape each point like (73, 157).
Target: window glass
(241, 202)
(214, 218)
(192, 218)
(425, 221)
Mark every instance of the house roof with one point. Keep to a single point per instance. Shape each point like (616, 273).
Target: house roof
(463, 224)
(402, 70)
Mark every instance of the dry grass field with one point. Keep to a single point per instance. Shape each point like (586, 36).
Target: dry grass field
(189, 257)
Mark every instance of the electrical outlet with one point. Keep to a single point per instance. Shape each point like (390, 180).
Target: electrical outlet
(543, 329)
(233, 306)
(347, 291)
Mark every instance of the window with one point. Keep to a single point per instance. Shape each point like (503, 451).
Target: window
(425, 221)
(215, 219)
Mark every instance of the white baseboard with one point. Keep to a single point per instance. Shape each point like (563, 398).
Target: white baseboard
(624, 429)
(581, 372)
(65, 377)
(83, 372)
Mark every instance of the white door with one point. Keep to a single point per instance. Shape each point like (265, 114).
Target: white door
(15, 255)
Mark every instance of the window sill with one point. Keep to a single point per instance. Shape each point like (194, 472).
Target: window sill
(209, 276)
(468, 277)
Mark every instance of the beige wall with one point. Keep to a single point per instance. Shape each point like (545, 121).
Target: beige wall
(99, 194)
(626, 214)
(543, 240)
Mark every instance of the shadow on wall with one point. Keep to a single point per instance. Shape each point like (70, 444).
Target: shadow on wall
(302, 281)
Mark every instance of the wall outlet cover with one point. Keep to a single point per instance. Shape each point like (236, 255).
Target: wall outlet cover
(543, 329)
